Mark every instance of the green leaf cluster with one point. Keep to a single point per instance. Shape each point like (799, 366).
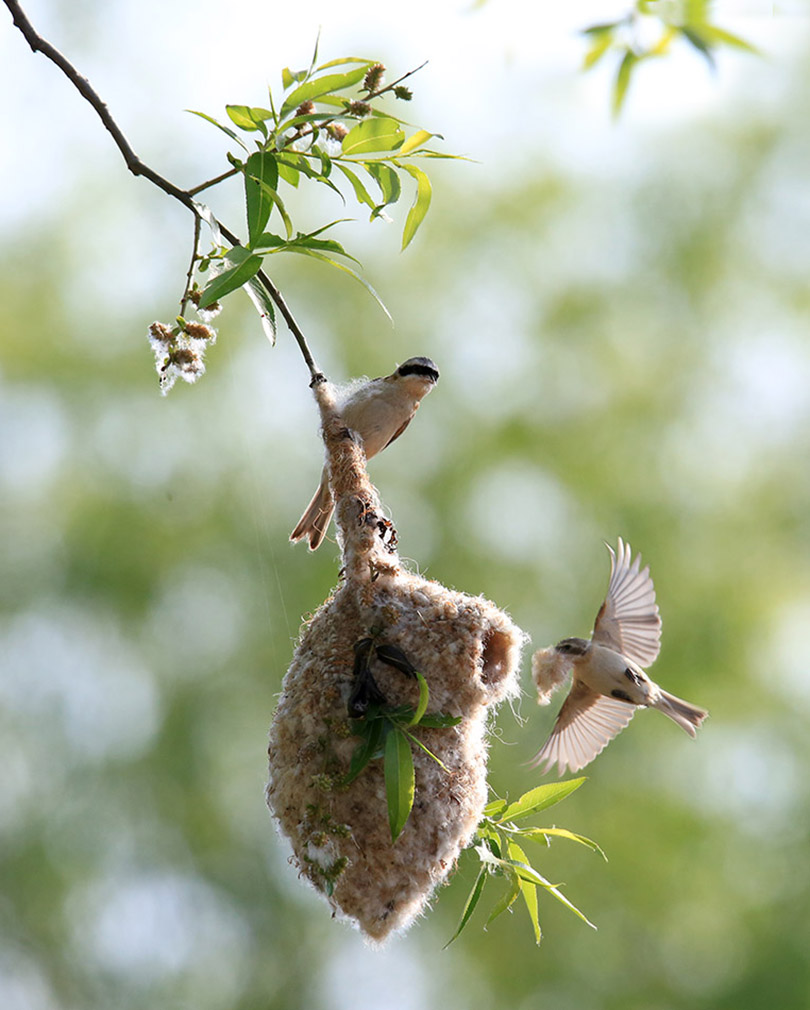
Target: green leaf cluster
(498, 845)
(331, 127)
(386, 732)
(689, 20)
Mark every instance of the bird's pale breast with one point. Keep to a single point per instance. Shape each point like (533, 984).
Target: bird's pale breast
(607, 671)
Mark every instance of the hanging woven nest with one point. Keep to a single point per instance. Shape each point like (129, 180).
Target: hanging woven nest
(357, 656)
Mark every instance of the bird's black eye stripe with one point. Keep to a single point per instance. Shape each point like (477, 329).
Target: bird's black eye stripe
(419, 366)
(572, 646)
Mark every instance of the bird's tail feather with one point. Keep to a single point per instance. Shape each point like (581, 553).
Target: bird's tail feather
(314, 523)
(687, 716)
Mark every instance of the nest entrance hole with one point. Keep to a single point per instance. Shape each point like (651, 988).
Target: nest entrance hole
(496, 656)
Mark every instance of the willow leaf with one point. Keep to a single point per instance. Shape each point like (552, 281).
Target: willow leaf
(420, 206)
(229, 280)
(469, 907)
(315, 254)
(539, 799)
(399, 781)
(263, 304)
(311, 90)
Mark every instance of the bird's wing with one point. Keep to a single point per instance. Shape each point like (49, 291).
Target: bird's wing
(399, 431)
(587, 723)
(628, 621)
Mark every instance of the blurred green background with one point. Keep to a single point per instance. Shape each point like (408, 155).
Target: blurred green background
(621, 316)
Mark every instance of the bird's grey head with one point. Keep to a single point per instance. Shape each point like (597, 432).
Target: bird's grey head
(572, 646)
(422, 367)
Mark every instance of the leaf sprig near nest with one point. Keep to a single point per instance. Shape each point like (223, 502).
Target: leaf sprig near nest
(386, 731)
(497, 844)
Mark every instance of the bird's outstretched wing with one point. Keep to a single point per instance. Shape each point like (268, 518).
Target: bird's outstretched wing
(628, 621)
(587, 722)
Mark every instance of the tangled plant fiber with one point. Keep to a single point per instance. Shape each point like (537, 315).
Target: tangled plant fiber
(468, 651)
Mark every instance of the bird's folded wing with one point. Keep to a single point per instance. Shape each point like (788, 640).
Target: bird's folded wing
(399, 430)
(628, 621)
(587, 723)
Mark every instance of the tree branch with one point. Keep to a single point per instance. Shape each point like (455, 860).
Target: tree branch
(213, 182)
(393, 84)
(137, 167)
(315, 372)
(190, 275)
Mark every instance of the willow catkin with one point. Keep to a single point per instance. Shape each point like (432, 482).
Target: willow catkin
(468, 651)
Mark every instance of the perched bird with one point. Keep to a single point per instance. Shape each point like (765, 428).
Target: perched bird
(379, 411)
(608, 681)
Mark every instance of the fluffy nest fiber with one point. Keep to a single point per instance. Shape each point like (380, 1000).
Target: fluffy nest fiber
(468, 651)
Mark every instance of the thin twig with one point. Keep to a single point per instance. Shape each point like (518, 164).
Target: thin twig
(393, 84)
(315, 372)
(311, 132)
(289, 318)
(213, 182)
(137, 167)
(190, 275)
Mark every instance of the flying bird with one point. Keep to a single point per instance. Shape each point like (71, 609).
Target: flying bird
(379, 411)
(609, 683)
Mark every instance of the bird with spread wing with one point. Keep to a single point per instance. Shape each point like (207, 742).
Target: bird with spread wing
(609, 684)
